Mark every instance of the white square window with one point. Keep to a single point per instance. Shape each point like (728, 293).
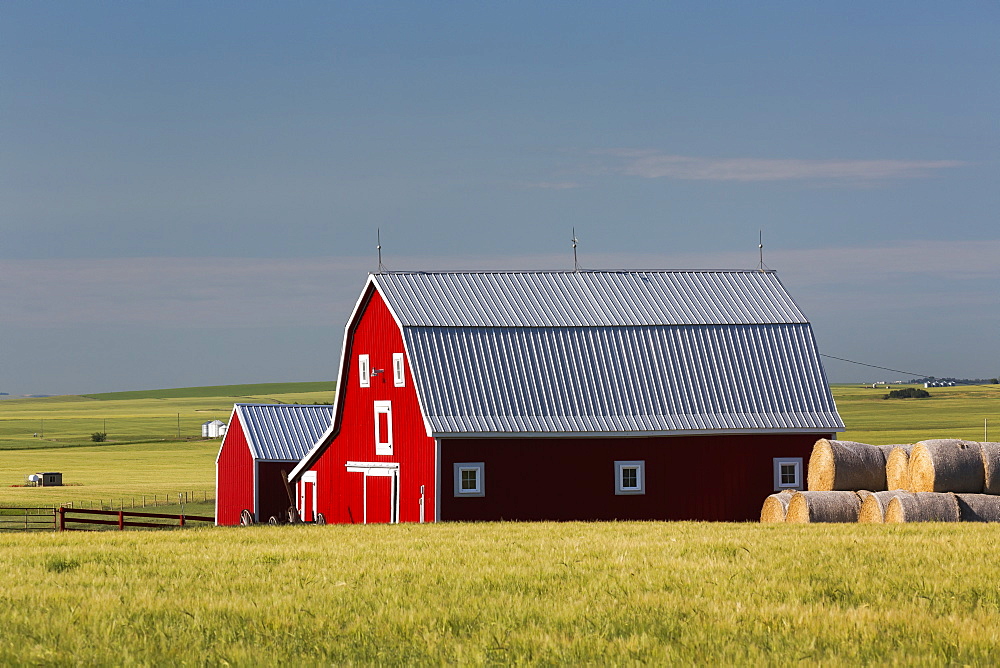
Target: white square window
(469, 479)
(383, 427)
(398, 370)
(364, 371)
(630, 477)
(787, 473)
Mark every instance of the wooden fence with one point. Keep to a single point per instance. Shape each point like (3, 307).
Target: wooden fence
(122, 519)
(27, 519)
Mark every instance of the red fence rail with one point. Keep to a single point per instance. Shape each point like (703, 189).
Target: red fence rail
(122, 519)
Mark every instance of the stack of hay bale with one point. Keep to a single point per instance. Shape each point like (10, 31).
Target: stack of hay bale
(945, 480)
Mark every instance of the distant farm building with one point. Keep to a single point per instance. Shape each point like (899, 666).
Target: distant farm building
(263, 440)
(589, 395)
(45, 479)
(213, 429)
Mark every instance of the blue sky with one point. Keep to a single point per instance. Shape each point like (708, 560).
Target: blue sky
(189, 192)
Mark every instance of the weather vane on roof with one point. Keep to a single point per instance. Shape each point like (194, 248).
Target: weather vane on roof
(576, 265)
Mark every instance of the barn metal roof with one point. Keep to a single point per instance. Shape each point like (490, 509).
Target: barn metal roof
(598, 352)
(662, 380)
(282, 432)
(586, 298)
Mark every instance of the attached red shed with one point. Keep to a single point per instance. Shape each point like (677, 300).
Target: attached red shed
(590, 395)
(262, 441)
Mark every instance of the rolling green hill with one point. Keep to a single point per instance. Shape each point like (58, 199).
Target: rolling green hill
(235, 391)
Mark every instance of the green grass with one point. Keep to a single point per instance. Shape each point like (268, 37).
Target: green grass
(950, 412)
(142, 455)
(476, 594)
(235, 391)
(107, 473)
(142, 416)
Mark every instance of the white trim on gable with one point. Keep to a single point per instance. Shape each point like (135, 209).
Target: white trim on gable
(338, 397)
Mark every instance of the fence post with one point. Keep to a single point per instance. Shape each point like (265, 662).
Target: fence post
(182, 520)
(62, 518)
(121, 520)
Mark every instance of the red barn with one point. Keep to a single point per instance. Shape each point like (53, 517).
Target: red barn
(585, 395)
(262, 441)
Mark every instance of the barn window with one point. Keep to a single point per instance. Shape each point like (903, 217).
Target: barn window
(630, 477)
(364, 371)
(383, 427)
(469, 479)
(398, 375)
(788, 473)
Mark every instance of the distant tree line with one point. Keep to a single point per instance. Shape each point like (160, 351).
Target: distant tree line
(957, 381)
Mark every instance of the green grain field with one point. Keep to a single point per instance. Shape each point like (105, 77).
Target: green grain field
(477, 594)
(499, 593)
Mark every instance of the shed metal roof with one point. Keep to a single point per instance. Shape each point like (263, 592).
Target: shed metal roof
(586, 298)
(282, 432)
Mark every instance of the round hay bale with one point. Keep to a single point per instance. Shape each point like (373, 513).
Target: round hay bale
(897, 467)
(923, 507)
(776, 507)
(991, 467)
(837, 506)
(979, 507)
(947, 465)
(845, 465)
(873, 506)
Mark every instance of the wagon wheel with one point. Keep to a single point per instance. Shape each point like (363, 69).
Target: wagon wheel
(293, 516)
(320, 518)
(273, 521)
(246, 518)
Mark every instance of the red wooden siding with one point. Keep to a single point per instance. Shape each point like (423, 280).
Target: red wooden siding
(723, 477)
(340, 494)
(234, 476)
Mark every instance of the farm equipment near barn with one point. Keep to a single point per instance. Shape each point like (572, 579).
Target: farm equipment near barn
(291, 515)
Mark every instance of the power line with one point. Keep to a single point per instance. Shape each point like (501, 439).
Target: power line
(885, 368)
(876, 366)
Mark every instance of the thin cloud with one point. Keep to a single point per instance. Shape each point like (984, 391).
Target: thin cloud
(655, 165)
(234, 292)
(554, 185)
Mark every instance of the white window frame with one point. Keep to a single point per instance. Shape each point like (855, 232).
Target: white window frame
(383, 442)
(398, 370)
(787, 461)
(639, 465)
(364, 371)
(479, 468)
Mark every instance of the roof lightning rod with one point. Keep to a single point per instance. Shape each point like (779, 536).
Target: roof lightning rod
(576, 264)
(378, 236)
(760, 247)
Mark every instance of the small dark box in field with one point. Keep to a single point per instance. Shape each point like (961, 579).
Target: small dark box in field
(50, 480)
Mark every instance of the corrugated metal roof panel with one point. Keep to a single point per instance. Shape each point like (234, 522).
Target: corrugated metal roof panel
(620, 379)
(283, 432)
(587, 298)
